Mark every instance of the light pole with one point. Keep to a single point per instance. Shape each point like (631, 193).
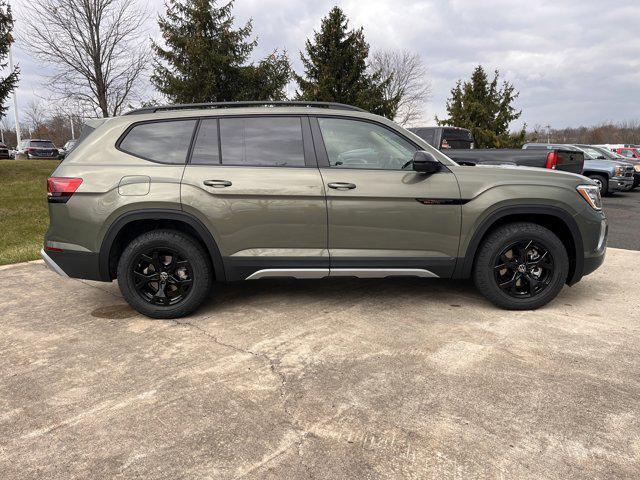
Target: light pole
(548, 134)
(15, 100)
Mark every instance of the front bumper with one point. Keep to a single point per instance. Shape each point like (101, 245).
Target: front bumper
(591, 264)
(621, 183)
(594, 259)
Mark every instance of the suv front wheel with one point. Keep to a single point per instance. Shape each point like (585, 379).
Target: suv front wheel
(164, 274)
(521, 266)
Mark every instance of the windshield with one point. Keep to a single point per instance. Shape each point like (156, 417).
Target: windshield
(592, 153)
(41, 144)
(607, 153)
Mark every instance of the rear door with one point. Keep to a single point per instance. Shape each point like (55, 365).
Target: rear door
(384, 218)
(254, 182)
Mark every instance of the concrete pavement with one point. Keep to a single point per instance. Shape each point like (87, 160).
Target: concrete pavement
(398, 378)
(623, 213)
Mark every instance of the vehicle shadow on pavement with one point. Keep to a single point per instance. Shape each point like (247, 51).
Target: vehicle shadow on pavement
(390, 293)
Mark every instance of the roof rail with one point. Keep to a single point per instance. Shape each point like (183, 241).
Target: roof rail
(258, 103)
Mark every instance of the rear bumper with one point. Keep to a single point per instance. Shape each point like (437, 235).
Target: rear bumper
(73, 264)
(51, 265)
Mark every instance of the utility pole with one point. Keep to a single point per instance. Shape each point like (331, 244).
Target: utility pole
(15, 101)
(548, 134)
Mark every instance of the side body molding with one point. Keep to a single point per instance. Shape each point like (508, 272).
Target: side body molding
(160, 215)
(464, 264)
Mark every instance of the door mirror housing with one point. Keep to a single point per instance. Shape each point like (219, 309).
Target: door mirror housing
(424, 162)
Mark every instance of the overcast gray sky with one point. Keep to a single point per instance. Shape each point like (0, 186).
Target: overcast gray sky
(574, 62)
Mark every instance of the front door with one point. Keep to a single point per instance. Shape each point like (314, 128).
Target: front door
(384, 218)
(255, 184)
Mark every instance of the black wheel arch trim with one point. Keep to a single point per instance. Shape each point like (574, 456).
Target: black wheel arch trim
(159, 214)
(464, 265)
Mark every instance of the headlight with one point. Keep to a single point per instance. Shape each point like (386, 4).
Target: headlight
(636, 167)
(591, 193)
(619, 172)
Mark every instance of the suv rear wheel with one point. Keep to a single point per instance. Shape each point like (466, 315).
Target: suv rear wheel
(164, 274)
(521, 266)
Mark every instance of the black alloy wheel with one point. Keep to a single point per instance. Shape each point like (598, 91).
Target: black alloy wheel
(524, 269)
(521, 266)
(162, 277)
(165, 274)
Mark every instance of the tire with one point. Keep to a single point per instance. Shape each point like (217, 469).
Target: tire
(544, 275)
(164, 274)
(602, 182)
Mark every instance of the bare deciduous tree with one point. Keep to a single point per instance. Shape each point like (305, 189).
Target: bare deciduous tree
(409, 81)
(622, 132)
(36, 114)
(97, 49)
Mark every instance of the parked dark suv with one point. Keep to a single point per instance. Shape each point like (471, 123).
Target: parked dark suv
(4, 151)
(169, 199)
(33, 149)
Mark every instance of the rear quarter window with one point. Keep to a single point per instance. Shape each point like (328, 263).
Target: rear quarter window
(161, 141)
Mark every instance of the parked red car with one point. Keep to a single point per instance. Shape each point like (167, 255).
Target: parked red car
(628, 152)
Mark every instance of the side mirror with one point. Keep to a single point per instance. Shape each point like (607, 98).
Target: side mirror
(424, 162)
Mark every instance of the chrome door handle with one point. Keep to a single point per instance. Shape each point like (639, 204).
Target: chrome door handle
(342, 185)
(217, 183)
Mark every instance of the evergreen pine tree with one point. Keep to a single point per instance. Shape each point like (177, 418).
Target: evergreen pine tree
(485, 109)
(10, 82)
(335, 69)
(205, 59)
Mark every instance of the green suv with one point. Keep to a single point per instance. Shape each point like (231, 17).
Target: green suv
(171, 199)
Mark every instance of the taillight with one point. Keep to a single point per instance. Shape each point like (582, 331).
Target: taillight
(29, 149)
(552, 160)
(60, 189)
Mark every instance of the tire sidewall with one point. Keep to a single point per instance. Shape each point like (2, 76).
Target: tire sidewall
(186, 248)
(484, 272)
(602, 182)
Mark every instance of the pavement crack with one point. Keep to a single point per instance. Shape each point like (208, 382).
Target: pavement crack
(273, 364)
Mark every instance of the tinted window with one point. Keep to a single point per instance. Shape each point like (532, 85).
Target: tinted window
(355, 144)
(267, 141)
(427, 134)
(205, 150)
(164, 142)
(456, 138)
(41, 144)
